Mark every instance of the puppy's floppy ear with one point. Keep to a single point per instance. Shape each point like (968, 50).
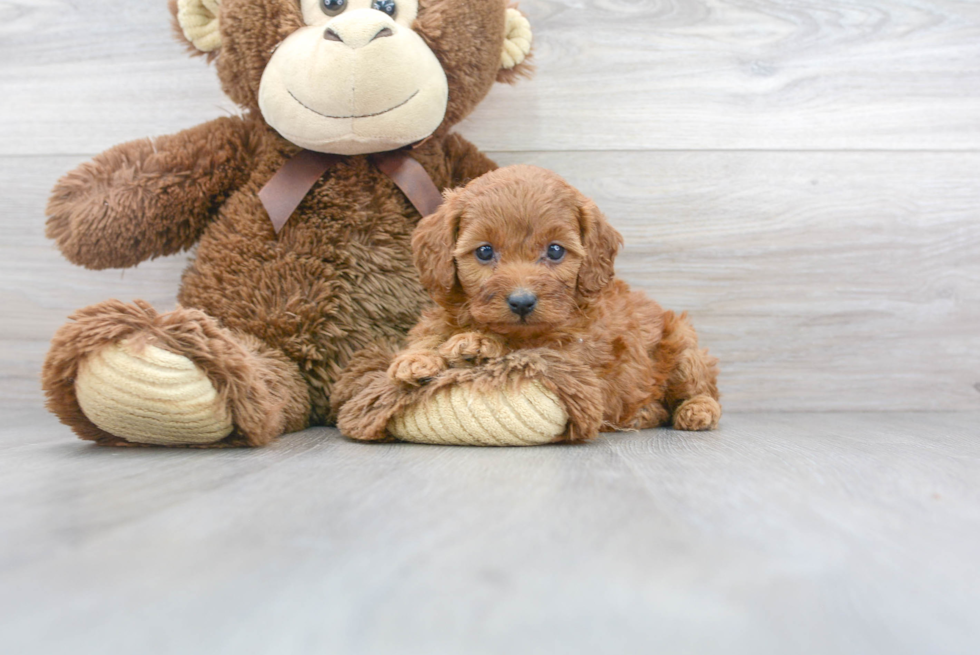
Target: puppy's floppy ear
(601, 242)
(433, 244)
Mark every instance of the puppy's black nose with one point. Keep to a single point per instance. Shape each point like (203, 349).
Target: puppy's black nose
(522, 302)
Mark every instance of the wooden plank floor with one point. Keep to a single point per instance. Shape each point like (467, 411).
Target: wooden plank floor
(780, 533)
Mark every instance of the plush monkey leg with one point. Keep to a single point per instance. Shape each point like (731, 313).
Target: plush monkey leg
(122, 374)
(692, 389)
(526, 398)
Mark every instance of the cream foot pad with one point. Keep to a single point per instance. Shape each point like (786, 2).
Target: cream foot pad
(517, 415)
(152, 397)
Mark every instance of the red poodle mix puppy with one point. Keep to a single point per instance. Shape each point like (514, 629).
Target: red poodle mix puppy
(520, 259)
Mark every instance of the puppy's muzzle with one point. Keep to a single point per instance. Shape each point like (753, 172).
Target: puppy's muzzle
(522, 302)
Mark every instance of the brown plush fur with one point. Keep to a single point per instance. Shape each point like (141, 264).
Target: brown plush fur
(634, 364)
(465, 35)
(367, 397)
(276, 317)
(263, 389)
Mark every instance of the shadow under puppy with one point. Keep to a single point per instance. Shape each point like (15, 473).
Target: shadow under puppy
(519, 259)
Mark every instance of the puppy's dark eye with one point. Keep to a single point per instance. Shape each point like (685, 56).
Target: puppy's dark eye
(555, 252)
(333, 7)
(387, 6)
(484, 253)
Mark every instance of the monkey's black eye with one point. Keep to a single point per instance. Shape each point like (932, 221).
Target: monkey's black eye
(484, 253)
(555, 252)
(333, 7)
(387, 6)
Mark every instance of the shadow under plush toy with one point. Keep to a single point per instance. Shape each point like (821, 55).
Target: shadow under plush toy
(303, 229)
(532, 339)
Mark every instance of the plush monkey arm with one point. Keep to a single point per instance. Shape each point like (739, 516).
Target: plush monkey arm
(148, 198)
(466, 160)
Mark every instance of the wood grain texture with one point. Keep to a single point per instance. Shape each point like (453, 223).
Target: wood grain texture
(39, 288)
(823, 281)
(77, 77)
(736, 74)
(847, 533)
(837, 279)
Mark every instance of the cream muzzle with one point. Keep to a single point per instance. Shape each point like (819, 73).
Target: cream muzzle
(372, 85)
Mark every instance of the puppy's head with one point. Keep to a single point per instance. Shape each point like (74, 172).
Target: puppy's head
(517, 250)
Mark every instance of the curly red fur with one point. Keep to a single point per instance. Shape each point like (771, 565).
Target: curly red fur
(645, 360)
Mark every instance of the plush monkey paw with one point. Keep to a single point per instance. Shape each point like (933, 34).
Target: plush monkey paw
(526, 397)
(145, 394)
(123, 374)
(470, 348)
(514, 414)
(697, 413)
(416, 367)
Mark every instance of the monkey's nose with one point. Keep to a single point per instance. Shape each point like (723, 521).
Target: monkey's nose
(522, 302)
(331, 34)
(357, 28)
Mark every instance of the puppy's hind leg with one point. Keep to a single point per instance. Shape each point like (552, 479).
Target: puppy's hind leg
(652, 415)
(692, 376)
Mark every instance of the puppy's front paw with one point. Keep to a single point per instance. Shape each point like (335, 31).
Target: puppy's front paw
(415, 367)
(697, 413)
(470, 348)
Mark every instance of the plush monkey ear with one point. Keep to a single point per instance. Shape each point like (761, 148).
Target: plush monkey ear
(601, 242)
(515, 60)
(198, 21)
(433, 244)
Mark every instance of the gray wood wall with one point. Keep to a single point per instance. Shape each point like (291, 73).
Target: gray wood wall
(804, 178)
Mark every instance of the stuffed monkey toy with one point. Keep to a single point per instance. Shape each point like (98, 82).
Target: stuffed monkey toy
(301, 210)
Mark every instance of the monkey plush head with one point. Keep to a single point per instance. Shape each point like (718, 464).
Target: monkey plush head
(353, 77)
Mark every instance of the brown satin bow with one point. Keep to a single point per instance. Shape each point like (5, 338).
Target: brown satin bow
(282, 194)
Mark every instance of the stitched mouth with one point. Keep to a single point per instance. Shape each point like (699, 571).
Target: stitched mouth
(318, 113)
